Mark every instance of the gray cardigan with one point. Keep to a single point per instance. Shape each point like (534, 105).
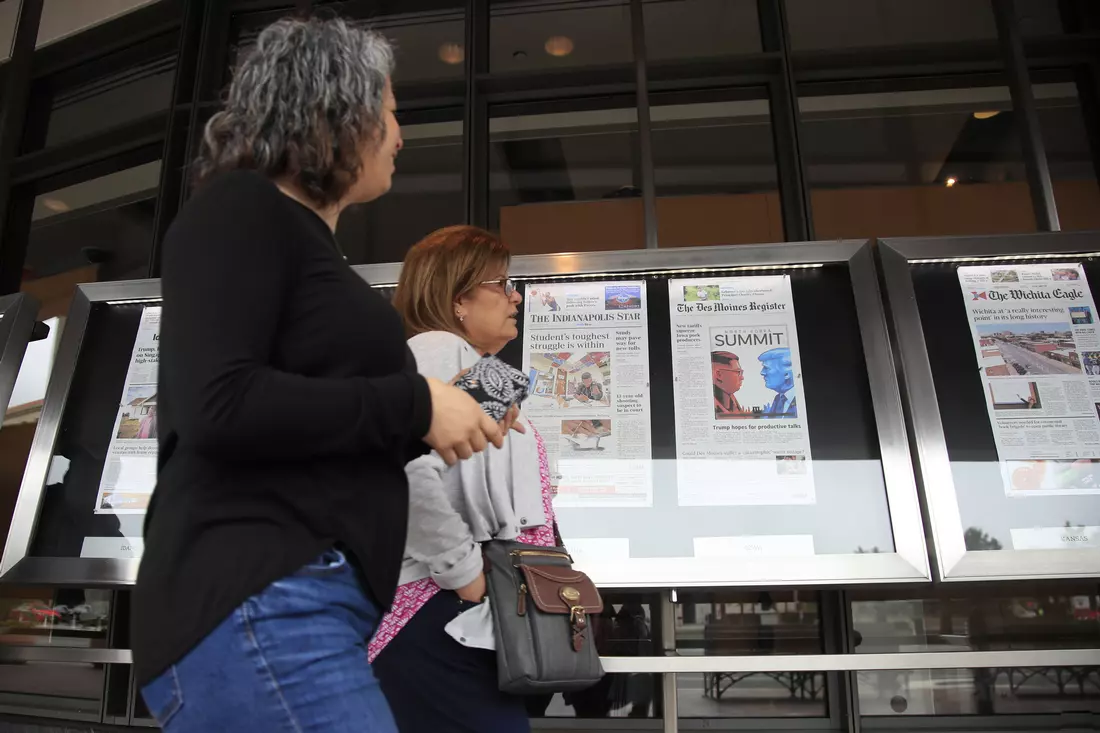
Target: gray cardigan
(494, 494)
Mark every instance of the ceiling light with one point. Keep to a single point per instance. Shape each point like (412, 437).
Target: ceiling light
(987, 114)
(559, 46)
(452, 53)
(56, 205)
(951, 181)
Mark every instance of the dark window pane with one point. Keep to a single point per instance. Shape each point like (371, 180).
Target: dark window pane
(996, 619)
(52, 689)
(861, 23)
(426, 195)
(692, 29)
(715, 169)
(550, 34)
(914, 162)
(1072, 163)
(625, 629)
(9, 14)
(63, 18)
(732, 623)
(106, 222)
(1044, 18)
(125, 96)
(565, 181)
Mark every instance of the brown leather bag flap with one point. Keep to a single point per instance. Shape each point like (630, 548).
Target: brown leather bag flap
(560, 589)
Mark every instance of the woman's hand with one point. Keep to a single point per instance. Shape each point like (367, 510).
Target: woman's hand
(459, 427)
(475, 591)
(511, 421)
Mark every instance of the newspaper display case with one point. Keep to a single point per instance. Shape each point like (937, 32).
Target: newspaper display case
(859, 524)
(17, 318)
(631, 514)
(998, 345)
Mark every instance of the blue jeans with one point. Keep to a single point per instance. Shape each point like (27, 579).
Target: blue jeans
(291, 658)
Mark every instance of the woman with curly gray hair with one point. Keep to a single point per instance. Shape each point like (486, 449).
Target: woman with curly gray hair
(289, 404)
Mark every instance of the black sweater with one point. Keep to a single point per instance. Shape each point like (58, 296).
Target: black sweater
(288, 406)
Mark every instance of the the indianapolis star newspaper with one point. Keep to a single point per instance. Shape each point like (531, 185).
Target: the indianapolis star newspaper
(586, 352)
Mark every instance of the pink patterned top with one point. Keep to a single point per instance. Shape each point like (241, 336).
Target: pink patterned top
(411, 597)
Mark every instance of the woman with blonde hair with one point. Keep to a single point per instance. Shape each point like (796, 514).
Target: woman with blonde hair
(458, 305)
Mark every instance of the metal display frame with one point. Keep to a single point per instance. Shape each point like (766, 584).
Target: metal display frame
(909, 561)
(17, 565)
(954, 562)
(18, 314)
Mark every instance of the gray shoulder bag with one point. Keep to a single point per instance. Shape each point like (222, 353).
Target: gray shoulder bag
(540, 604)
(541, 608)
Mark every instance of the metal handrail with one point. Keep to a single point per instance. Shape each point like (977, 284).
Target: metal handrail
(689, 664)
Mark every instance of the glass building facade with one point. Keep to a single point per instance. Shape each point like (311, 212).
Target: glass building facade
(611, 130)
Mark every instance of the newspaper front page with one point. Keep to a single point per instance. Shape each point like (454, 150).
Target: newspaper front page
(741, 436)
(1038, 346)
(130, 472)
(586, 352)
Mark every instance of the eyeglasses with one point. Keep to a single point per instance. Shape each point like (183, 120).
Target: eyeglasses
(504, 282)
(738, 372)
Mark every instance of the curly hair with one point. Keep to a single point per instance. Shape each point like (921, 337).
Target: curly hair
(305, 102)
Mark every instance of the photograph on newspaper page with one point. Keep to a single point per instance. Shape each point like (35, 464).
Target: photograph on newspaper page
(586, 351)
(130, 472)
(741, 436)
(1038, 348)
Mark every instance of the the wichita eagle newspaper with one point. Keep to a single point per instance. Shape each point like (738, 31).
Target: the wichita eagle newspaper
(741, 436)
(586, 352)
(130, 473)
(1038, 346)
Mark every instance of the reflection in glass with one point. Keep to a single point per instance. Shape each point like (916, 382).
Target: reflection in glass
(914, 162)
(1062, 618)
(1072, 170)
(428, 46)
(529, 35)
(742, 623)
(565, 181)
(625, 629)
(696, 29)
(65, 617)
(714, 170)
(426, 195)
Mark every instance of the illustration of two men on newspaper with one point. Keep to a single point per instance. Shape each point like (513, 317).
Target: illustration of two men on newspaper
(728, 377)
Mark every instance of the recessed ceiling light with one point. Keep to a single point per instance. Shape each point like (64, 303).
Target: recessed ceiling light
(452, 53)
(987, 114)
(559, 46)
(56, 205)
(951, 181)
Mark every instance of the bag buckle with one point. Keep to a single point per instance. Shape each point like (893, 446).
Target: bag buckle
(578, 620)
